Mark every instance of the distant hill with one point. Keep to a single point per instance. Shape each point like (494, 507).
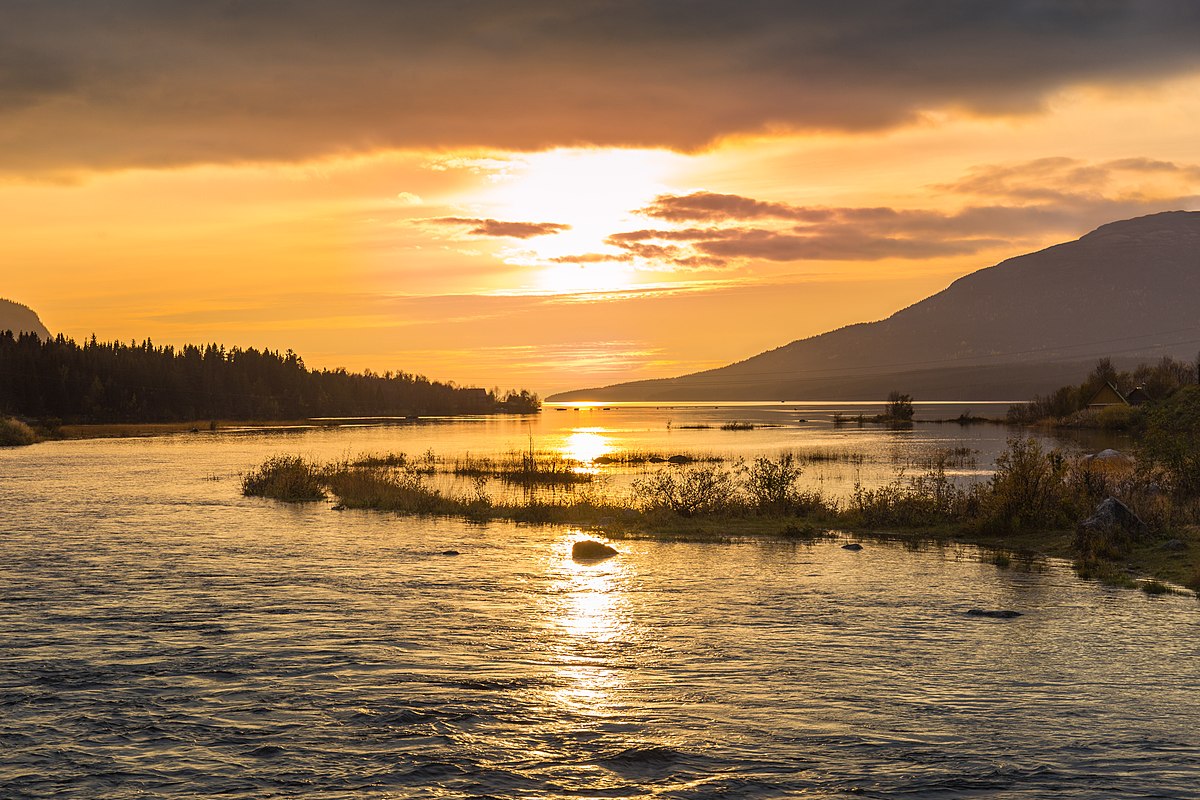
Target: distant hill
(18, 318)
(1129, 289)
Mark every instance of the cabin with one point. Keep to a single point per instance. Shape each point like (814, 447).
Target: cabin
(1138, 396)
(1108, 395)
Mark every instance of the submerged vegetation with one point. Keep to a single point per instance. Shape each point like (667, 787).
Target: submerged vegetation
(1035, 501)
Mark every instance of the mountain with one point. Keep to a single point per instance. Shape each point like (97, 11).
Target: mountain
(1129, 289)
(17, 318)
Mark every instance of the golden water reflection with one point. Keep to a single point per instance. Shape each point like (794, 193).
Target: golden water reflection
(585, 444)
(589, 621)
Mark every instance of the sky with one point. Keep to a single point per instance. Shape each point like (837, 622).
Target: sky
(557, 195)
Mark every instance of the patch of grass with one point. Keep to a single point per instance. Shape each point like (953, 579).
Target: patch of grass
(1031, 505)
(288, 478)
(1154, 587)
(738, 426)
(14, 433)
(526, 469)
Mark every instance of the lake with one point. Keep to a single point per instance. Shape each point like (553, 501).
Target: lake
(165, 636)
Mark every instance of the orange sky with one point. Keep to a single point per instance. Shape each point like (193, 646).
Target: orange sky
(586, 219)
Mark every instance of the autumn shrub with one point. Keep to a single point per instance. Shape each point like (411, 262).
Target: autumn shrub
(1029, 491)
(692, 490)
(14, 433)
(1171, 442)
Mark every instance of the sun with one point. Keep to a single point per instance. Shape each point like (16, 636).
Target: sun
(594, 191)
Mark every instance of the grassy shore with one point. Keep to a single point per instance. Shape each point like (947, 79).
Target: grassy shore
(1029, 509)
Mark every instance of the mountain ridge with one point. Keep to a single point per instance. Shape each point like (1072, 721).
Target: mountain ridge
(1127, 289)
(19, 318)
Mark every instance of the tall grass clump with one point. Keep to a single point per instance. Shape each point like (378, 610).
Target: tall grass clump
(14, 433)
(288, 478)
(526, 469)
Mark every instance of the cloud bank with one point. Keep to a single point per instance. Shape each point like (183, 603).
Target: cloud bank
(128, 83)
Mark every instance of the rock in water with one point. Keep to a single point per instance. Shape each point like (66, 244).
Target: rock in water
(1001, 613)
(591, 550)
(852, 546)
(449, 552)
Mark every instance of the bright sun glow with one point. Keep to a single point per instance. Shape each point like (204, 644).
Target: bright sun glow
(585, 445)
(594, 192)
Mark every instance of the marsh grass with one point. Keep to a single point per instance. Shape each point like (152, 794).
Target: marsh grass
(1032, 503)
(14, 433)
(288, 478)
(523, 468)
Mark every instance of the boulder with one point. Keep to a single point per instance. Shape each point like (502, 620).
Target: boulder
(449, 552)
(1110, 531)
(591, 550)
(1113, 515)
(852, 546)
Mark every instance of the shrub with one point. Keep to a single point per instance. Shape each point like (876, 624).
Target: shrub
(771, 483)
(899, 407)
(288, 478)
(1118, 417)
(1028, 490)
(14, 433)
(688, 491)
(1172, 441)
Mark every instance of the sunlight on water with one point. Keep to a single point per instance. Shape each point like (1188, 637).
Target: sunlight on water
(586, 445)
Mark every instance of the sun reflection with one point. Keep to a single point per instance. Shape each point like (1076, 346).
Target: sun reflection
(585, 445)
(591, 623)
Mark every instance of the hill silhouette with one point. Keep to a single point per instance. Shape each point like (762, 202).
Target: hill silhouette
(21, 319)
(1129, 289)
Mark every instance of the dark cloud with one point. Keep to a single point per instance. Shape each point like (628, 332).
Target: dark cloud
(147, 83)
(496, 227)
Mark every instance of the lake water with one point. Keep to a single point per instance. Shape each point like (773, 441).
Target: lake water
(164, 636)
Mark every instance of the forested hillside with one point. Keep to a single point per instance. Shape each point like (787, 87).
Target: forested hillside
(115, 382)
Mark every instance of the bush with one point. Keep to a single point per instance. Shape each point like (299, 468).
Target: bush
(289, 478)
(14, 433)
(1028, 490)
(1172, 441)
(1118, 417)
(688, 491)
(899, 407)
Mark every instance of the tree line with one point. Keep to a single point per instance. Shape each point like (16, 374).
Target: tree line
(116, 382)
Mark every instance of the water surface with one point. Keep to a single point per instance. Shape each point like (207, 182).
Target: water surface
(164, 636)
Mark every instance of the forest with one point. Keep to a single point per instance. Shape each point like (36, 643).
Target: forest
(105, 382)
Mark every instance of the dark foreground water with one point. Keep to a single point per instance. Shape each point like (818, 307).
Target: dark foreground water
(162, 636)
